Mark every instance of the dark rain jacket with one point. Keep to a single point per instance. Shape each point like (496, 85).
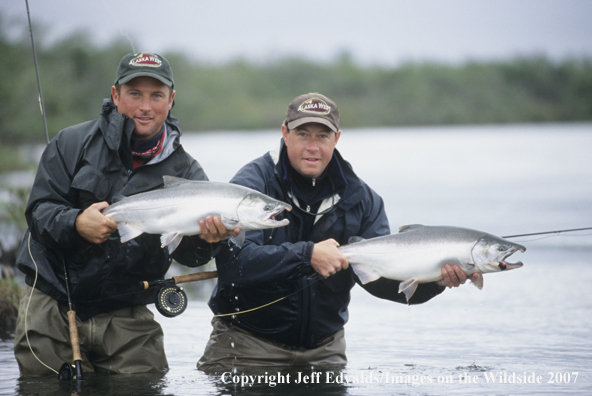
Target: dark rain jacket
(89, 163)
(275, 263)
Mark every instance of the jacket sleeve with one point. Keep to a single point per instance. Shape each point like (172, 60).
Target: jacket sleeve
(256, 263)
(376, 224)
(51, 213)
(194, 251)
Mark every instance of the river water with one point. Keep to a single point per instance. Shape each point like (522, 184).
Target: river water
(527, 332)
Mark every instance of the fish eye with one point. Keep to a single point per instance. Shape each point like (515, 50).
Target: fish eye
(268, 207)
(502, 248)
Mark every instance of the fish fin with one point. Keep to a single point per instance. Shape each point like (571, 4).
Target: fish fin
(239, 239)
(478, 283)
(170, 240)
(355, 239)
(128, 232)
(172, 181)
(409, 227)
(365, 274)
(408, 287)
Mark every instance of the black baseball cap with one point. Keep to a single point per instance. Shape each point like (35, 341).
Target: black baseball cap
(144, 64)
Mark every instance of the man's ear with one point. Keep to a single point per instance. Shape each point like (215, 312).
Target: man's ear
(115, 95)
(337, 136)
(285, 133)
(172, 101)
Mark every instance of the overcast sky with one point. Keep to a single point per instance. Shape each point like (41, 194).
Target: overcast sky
(385, 32)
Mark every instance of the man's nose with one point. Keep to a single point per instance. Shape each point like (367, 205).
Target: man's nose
(312, 145)
(145, 103)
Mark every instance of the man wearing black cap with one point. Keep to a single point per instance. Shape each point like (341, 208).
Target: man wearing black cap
(298, 268)
(126, 151)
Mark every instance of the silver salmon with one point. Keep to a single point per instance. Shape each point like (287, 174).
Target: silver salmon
(174, 211)
(417, 253)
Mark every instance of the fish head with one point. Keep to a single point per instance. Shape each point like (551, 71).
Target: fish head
(489, 254)
(258, 211)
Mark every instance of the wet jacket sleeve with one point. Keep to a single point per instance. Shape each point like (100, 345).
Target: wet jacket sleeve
(194, 251)
(51, 213)
(255, 263)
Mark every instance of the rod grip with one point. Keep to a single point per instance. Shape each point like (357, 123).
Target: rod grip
(195, 277)
(74, 336)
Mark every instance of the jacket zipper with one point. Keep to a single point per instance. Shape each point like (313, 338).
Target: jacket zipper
(314, 180)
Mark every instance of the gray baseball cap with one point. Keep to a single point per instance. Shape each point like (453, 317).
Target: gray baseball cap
(312, 107)
(144, 64)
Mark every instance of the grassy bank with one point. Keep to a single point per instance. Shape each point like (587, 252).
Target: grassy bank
(10, 292)
(12, 159)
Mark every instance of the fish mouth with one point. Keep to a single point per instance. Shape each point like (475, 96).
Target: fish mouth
(504, 265)
(276, 212)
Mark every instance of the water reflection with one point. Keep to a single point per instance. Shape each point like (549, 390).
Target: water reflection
(94, 384)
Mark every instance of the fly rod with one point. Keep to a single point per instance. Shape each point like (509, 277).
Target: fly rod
(41, 104)
(66, 373)
(171, 300)
(547, 232)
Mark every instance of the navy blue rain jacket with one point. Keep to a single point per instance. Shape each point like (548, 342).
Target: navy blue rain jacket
(275, 263)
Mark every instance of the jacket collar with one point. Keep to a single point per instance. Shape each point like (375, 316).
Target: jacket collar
(349, 191)
(333, 171)
(113, 124)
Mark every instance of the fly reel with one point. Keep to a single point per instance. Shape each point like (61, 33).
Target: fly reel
(171, 301)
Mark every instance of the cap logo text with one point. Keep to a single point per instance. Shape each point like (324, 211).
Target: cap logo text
(146, 60)
(316, 106)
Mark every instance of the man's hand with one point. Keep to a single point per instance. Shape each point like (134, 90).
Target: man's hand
(93, 226)
(453, 276)
(212, 230)
(327, 259)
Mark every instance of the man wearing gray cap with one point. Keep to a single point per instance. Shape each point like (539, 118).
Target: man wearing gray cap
(282, 298)
(126, 151)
